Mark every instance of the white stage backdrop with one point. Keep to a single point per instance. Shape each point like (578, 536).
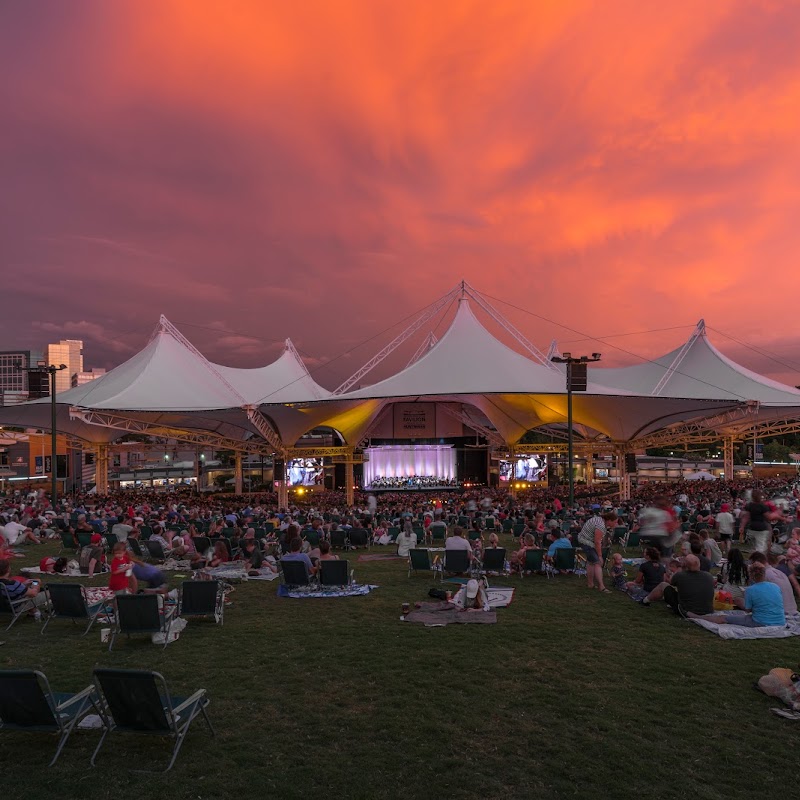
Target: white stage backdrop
(405, 460)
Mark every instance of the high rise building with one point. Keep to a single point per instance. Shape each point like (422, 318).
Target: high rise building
(70, 353)
(17, 385)
(79, 378)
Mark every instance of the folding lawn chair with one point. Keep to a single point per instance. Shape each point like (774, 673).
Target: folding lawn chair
(111, 539)
(136, 548)
(156, 550)
(68, 601)
(201, 599)
(294, 573)
(202, 544)
(141, 613)
(359, 538)
(338, 540)
(394, 533)
(68, 541)
(534, 562)
(138, 701)
(419, 560)
(17, 608)
(494, 560)
(84, 538)
(145, 532)
(28, 704)
(334, 573)
(564, 559)
(456, 561)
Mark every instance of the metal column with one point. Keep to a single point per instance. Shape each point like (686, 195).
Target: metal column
(101, 469)
(727, 464)
(237, 475)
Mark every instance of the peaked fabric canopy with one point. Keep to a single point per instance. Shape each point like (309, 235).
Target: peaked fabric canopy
(703, 372)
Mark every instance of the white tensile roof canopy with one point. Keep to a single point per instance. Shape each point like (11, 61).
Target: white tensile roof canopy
(170, 383)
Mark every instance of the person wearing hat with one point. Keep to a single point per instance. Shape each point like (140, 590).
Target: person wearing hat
(724, 522)
(91, 557)
(474, 598)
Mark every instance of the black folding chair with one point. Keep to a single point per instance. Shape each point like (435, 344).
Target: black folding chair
(202, 544)
(139, 702)
(456, 561)
(156, 550)
(334, 573)
(17, 608)
(419, 560)
(141, 613)
(338, 540)
(201, 599)
(136, 548)
(68, 601)
(28, 704)
(295, 573)
(68, 541)
(494, 559)
(358, 538)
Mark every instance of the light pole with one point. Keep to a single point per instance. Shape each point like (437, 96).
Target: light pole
(576, 382)
(42, 368)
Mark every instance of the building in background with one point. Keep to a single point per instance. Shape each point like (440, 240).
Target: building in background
(79, 378)
(70, 353)
(16, 385)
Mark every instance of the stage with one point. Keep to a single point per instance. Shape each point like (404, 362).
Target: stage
(410, 468)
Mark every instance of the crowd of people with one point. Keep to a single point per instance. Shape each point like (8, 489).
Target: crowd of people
(689, 528)
(413, 482)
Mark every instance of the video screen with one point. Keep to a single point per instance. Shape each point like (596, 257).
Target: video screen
(305, 472)
(524, 468)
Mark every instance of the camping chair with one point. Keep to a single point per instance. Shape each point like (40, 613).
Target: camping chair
(534, 562)
(437, 533)
(111, 540)
(202, 544)
(17, 608)
(201, 599)
(456, 561)
(68, 541)
(419, 560)
(631, 540)
(334, 573)
(490, 524)
(516, 529)
(311, 536)
(84, 538)
(507, 524)
(564, 559)
(338, 540)
(136, 548)
(156, 550)
(294, 573)
(494, 560)
(359, 538)
(141, 613)
(619, 534)
(138, 701)
(394, 533)
(145, 532)
(473, 535)
(68, 601)
(28, 704)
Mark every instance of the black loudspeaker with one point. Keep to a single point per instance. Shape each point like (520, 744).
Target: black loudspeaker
(630, 462)
(577, 376)
(278, 469)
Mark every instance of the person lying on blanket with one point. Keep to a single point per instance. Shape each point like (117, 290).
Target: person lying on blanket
(472, 597)
(761, 598)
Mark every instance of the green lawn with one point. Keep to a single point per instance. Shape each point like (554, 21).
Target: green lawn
(571, 694)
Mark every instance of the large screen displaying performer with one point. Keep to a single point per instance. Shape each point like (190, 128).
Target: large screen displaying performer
(530, 468)
(305, 472)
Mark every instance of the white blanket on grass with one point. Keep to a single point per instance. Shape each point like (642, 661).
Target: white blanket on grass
(792, 628)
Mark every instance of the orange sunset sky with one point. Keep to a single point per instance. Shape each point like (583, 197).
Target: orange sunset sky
(321, 170)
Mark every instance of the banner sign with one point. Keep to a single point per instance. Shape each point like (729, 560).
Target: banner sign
(414, 420)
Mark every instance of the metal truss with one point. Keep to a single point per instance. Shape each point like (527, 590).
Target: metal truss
(374, 424)
(491, 436)
(427, 344)
(340, 455)
(698, 331)
(699, 431)
(106, 419)
(506, 325)
(403, 336)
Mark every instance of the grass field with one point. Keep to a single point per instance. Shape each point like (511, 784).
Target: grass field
(571, 694)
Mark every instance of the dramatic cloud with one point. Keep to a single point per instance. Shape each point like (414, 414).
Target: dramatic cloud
(320, 170)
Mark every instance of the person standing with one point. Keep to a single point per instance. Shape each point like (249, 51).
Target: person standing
(591, 539)
(754, 523)
(724, 522)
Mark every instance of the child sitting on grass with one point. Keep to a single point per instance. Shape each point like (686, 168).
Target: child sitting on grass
(617, 572)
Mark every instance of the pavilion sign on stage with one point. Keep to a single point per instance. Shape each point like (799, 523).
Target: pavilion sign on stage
(419, 421)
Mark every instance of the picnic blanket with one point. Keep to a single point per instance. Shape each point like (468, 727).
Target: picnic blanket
(383, 557)
(354, 590)
(792, 628)
(235, 572)
(434, 615)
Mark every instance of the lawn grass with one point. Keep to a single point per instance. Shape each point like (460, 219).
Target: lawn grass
(571, 694)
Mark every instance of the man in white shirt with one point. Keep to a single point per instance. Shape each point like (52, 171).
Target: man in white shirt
(15, 533)
(122, 529)
(459, 541)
